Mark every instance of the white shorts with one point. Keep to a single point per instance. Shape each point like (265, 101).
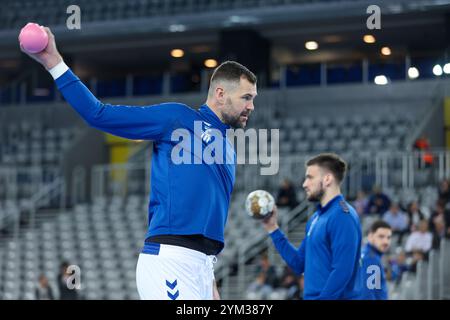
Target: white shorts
(166, 272)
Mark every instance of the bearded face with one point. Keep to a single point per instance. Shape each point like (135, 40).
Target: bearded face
(313, 185)
(239, 104)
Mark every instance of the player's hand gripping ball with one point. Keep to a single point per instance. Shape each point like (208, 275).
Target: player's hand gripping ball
(259, 204)
(33, 38)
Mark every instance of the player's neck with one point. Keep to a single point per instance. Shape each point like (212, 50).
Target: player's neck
(214, 108)
(329, 195)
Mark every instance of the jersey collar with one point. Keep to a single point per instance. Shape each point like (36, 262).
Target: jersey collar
(211, 117)
(330, 203)
(373, 249)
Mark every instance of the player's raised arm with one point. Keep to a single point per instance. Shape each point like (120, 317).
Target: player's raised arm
(150, 122)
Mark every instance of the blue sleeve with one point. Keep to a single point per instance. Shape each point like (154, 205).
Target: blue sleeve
(293, 257)
(132, 122)
(345, 244)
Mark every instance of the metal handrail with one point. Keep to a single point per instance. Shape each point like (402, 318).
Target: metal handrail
(46, 194)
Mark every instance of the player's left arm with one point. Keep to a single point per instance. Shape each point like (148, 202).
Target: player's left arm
(345, 242)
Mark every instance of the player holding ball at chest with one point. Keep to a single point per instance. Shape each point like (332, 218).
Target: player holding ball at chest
(329, 255)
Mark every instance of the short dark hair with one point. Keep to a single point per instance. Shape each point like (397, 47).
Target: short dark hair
(331, 162)
(379, 224)
(232, 71)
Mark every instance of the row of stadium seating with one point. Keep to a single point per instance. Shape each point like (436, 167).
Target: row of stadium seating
(15, 13)
(32, 144)
(102, 239)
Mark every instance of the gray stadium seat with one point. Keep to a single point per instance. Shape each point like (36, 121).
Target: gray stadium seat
(356, 144)
(306, 123)
(348, 132)
(330, 133)
(366, 131)
(320, 146)
(296, 135)
(313, 133)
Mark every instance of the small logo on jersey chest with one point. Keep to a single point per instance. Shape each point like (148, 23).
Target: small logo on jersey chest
(206, 132)
(344, 206)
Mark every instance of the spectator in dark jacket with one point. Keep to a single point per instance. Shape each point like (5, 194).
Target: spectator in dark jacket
(414, 215)
(44, 291)
(65, 293)
(442, 212)
(287, 195)
(379, 203)
(291, 284)
(444, 191)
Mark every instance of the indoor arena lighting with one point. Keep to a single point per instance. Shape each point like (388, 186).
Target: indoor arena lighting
(210, 63)
(177, 53)
(311, 45)
(380, 80)
(437, 70)
(368, 38)
(447, 68)
(413, 73)
(386, 51)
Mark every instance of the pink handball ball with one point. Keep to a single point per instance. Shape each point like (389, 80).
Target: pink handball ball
(33, 38)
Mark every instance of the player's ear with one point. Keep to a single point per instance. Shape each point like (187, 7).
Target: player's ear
(219, 93)
(328, 179)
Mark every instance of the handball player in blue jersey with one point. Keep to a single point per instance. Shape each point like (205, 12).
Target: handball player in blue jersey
(189, 201)
(329, 255)
(374, 285)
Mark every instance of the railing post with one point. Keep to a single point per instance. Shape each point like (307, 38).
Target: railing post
(283, 77)
(63, 193)
(441, 166)
(411, 170)
(95, 183)
(404, 171)
(447, 165)
(241, 271)
(377, 170)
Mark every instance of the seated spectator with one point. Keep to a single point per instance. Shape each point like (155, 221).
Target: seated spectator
(417, 256)
(43, 290)
(444, 191)
(360, 203)
(414, 215)
(420, 240)
(66, 293)
(258, 289)
(397, 266)
(398, 220)
(287, 195)
(378, 202)
(266, 280)
(438, 211)
(439, 231)
(289, 285)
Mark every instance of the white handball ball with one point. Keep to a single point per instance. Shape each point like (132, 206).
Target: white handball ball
(259, 204)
